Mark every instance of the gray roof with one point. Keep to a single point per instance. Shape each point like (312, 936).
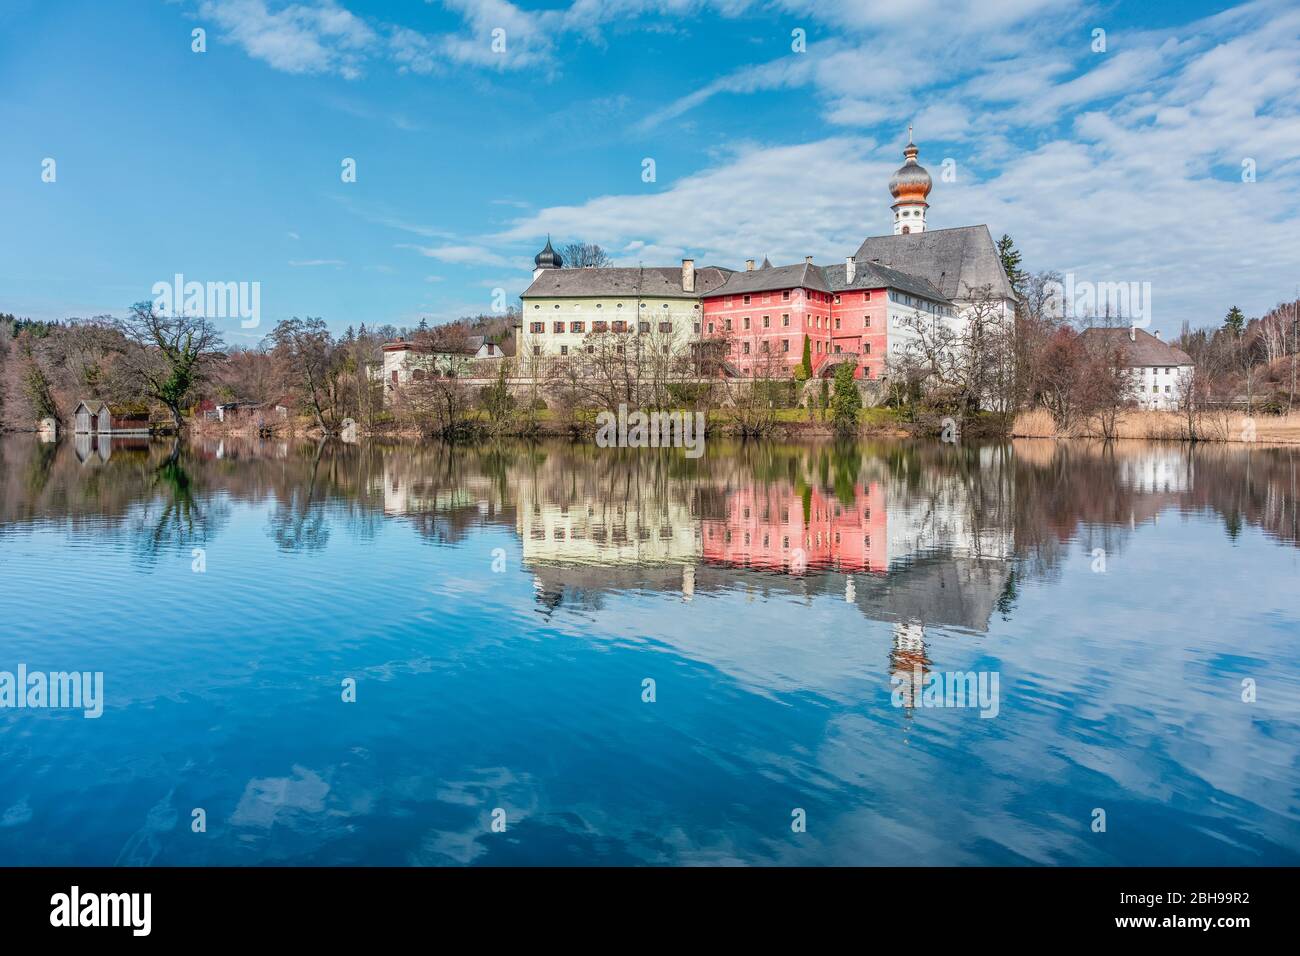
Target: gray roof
(956, 261)
(804, 275)
(872, 275)
(657, 282)
(827, 279)
(1143, 349)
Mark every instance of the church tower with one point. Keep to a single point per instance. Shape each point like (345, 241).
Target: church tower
(548, 258)
(909, 187)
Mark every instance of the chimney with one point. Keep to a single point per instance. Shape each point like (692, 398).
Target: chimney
(807, 260)
(1132, 333)
(850, 268)
(1156, 333)
(749, 265)
(688, 275)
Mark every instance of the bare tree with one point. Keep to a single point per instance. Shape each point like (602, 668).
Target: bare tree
(304, 351)
(168, 355)
(581, 255)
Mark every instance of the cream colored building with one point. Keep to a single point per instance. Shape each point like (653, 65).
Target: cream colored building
(562, 307)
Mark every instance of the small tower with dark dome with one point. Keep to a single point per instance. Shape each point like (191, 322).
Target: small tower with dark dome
(548, 258)
(909, 187)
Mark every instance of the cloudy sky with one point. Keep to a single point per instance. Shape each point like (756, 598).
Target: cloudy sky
(1170, 156)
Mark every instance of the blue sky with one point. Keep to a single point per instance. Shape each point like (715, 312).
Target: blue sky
(1122, 165)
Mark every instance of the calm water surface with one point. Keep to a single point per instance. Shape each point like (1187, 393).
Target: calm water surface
(501, 607)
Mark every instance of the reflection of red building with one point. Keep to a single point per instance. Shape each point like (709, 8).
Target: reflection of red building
(780, 528)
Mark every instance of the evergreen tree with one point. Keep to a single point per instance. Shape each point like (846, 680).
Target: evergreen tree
(846, 400)
(1010, 257)
(804, 370)
(1234, 321)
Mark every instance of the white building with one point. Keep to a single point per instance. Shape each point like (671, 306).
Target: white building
(1158, 372)
(406, 362)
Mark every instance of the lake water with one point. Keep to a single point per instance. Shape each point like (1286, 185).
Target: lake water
(630, 657)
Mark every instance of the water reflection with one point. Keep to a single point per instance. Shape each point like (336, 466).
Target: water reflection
(801, 576)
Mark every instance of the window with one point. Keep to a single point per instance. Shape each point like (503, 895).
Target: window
(746, 322)
(837, 322)
(537, 350)
(665, 326)
(600, 305)
(564, 350)
(643, 326)
(394, 376)
(866, 296)
(536, 327)
(866, 348)
(767, 321)
(866, 321)
(762, 346)
(785, 295)
(577, 326)
(785, 345)
(837, 300)
(599, 326)
(557, 327)
(745, 347)
(557, 305)
(710, 328)
(620, 325)
(745, 299)
(785, 320)
(697, 328)
(726, 324)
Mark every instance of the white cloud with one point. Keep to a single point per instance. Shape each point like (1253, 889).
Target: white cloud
(460, 254)
(320, 37)
(316, 262)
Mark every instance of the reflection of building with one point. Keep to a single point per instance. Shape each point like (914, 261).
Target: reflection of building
(777, 528)
(91, 449)
(1160, 470)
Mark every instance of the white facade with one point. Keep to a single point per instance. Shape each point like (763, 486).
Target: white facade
(1159, 387)
(558, 326)
(909, 217)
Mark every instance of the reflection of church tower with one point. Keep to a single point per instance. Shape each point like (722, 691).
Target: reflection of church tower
(907, 660)
(909, 187)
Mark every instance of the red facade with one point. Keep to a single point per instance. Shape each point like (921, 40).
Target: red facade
(767, 328)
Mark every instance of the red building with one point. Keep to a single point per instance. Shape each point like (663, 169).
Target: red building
(764, 314)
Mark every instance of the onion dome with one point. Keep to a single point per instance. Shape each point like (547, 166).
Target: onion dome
(548, 258)
(911, 183)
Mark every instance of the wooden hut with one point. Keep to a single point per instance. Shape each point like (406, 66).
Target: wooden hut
(98, 418)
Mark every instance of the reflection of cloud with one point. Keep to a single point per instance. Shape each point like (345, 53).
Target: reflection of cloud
(269, 798)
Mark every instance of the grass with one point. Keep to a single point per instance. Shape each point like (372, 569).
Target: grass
(1142, 424)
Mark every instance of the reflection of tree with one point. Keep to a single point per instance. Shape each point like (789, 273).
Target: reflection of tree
(298, 523)
(174, 517)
